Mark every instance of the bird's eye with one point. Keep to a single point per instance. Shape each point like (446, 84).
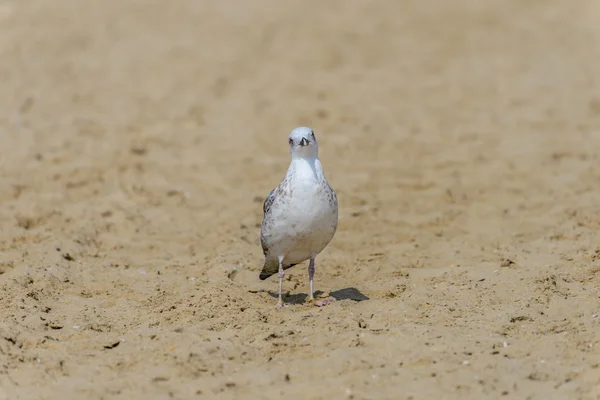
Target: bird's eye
(290, 141)
(312, 133)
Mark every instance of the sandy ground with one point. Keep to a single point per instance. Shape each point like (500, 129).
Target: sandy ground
(138, 140)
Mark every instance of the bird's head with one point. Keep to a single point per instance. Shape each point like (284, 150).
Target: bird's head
(303, 143)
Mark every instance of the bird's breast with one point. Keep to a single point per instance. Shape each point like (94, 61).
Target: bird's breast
(308, 209)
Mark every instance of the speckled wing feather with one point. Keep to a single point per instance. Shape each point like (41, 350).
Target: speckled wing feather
(266, 209)
(271, 266)
(269, 201)
(333, 196)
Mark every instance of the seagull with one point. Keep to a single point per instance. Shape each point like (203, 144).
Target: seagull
(300, 214)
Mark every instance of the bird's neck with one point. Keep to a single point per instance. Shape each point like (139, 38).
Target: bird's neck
(308, 167)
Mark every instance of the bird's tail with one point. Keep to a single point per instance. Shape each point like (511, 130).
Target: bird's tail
(271, 267)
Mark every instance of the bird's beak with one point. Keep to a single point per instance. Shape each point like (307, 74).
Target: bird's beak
(304, 142)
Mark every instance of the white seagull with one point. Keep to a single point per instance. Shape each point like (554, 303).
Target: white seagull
(300, 214)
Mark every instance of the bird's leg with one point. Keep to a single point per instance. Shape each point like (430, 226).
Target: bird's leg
(311, 274)
(280, 302)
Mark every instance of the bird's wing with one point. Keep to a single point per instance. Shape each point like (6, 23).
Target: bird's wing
(266, 209)
(333, 194)
(269, 201)
(271, 267)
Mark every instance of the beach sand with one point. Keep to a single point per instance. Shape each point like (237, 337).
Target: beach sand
(138, 140)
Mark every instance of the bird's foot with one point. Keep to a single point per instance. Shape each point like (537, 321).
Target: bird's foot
(324, 302)
(280, 304)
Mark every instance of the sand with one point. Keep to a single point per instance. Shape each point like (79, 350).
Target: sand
(138, 140)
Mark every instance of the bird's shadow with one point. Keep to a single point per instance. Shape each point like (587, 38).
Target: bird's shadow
(342, 294)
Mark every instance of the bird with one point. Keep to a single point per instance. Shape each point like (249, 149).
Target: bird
(300, 214)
